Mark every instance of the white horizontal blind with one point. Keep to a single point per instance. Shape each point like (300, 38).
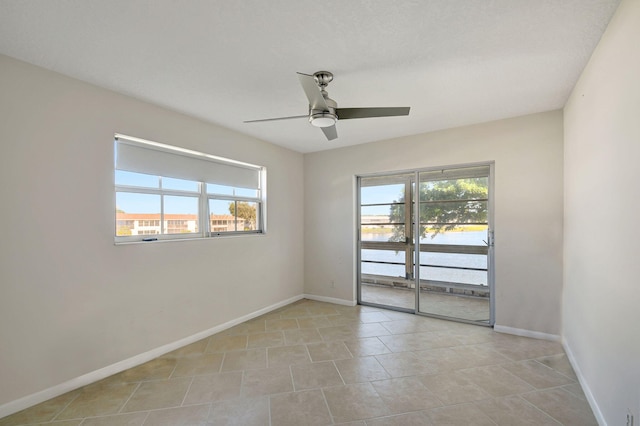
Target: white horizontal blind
(452, 174)
(163, 160)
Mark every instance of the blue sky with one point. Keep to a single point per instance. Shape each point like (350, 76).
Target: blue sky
(380, 194)
(150, 203)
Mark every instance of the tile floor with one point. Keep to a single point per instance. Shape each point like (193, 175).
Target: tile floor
(313, 363)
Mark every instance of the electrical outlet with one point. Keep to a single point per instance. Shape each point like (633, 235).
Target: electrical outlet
(332, 284)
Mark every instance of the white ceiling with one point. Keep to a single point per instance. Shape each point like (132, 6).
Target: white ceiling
(455, 62)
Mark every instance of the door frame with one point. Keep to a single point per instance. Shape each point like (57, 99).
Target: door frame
(416, 238)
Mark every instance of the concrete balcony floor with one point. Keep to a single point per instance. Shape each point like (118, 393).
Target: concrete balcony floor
(437, 303)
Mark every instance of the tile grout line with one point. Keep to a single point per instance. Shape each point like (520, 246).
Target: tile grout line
(129, 398)
(539, 409)
(55, 417)
(187, 392)
(326, 404)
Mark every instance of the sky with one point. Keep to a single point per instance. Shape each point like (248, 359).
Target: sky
(150, 203)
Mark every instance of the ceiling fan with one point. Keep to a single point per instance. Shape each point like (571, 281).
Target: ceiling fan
(324, 111)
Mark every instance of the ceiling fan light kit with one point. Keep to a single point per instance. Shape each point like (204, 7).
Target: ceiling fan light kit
(324, 111)
(323, 119)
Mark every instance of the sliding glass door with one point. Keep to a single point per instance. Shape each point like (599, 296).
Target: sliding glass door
(452, 275)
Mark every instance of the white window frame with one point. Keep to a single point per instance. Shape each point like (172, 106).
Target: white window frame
(204, 216)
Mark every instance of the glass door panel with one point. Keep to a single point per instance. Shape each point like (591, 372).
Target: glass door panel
(454, 244)
(386, 268)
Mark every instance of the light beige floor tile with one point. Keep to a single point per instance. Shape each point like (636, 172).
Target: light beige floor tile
(299, 408)
(401, 342)
(405, 394)
(288, 355)
(564, 406)
(405, 326)
(295, 312)
(265, 340)
(521, 348)
(338, 332)
(560, 363)
(361, 369)
(245, 360)
(281, 324)
(480, 355)
(198, 364)
(356, 423)
(403, 364)
(98, 400)
(131, 419)
(322, 309)
(338, 320)
(575, 389)
(400, 323)
(214, 387)
(159, 394)
(514, 411)
(193, 415)
(417, 418)
(473, 337)
(369, 330)
(354, 402)
(266, 381)
(536, 374)
(43, 412)
(315, 375)
(314, 322)
(453, 388)
(459, 415)
(240, 412)
(269, 316)
(301, 336)
(373, 317)
(224, 343)
(496, 381)
(367, 346)
(328, 351)
(444, 359)
(418, 341)
(157, 369)
(192, 349)
(253, 326)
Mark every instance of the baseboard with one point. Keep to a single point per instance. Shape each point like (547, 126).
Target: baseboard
(585, 387)
(527, 333)
(77, 382)
(330, 300)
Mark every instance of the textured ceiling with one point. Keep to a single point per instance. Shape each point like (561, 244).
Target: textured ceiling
(455, 62)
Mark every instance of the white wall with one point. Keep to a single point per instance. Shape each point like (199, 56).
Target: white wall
(528, 209)
(601, 302)
(71, 301)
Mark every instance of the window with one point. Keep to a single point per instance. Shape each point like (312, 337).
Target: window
(174, 193)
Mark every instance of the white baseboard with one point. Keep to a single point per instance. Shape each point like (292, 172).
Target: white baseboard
(585, 387)
(330, 300)
(527, 333)
(77, 382)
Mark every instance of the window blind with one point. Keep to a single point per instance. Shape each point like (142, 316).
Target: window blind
(452, 174)
(139, 156)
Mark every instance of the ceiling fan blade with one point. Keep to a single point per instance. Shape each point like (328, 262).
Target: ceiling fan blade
(349, 113)
(311, 89)
(330, 132)
(276, 119)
